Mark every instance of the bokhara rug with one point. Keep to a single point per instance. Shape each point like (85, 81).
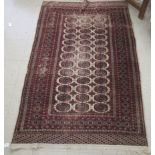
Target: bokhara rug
(83, 84)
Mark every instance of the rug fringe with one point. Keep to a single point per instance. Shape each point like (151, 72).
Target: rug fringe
(111, 149)
(85, 5)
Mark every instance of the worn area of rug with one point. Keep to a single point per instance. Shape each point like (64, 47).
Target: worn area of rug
(83, 84)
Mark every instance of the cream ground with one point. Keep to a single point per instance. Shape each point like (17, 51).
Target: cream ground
(20, 24)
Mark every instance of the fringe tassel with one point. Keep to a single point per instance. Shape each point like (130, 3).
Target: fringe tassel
(85, 5)
(83, 148)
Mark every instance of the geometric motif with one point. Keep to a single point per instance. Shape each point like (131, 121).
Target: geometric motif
(84, 57)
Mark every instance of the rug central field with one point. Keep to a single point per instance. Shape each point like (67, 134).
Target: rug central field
(82, 83)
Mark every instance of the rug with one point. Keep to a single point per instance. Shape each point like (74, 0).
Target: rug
(82, 84)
